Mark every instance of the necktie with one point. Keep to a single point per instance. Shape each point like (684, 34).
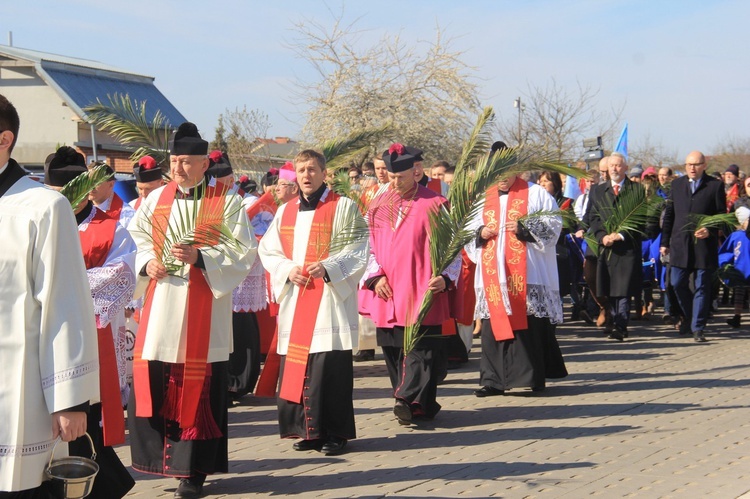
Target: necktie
(616, 188)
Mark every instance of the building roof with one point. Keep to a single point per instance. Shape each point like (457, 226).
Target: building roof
(80, 82)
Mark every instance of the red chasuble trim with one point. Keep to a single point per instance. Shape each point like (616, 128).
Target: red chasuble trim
(308, 302)
(95, 251)
(115, 207)
(503, 324)
(264, 203)
(200, 300)
(113, 419)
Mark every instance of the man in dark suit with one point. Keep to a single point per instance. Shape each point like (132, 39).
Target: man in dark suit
(620, 267)
(692, 251)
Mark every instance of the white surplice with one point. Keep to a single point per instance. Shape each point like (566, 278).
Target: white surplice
(112, 287)
(48, 349)
(252, 293)
(337, 320)
(225, 268)
(542, 285)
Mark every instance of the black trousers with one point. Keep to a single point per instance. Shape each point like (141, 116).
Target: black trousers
(415, 377)
(244, 361)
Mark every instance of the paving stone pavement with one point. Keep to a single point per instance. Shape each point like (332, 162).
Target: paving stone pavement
(655, 416)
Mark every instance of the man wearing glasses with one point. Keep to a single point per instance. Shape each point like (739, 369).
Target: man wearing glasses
(287, 188)
(692, 250)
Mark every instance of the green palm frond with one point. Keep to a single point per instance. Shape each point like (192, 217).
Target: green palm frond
(568, 217)
(126, 120)
(352, 230)
(730, 277)
(338, 152)
(479, 141)
(629, 214)
(721, 221)
(194, 227)
(79, 188)
(342, 186)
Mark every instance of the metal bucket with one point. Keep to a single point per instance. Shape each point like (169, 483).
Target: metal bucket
(72, 477)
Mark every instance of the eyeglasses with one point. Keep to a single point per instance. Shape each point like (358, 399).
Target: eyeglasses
(284, 184)
(694, 165)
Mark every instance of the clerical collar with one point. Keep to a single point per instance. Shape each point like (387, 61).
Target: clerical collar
(311, 202)
(190, 193)
(423, 181)
(4, 168)
(84, 213)
(104, 206)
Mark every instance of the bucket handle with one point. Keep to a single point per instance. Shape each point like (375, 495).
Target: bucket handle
(93, 450)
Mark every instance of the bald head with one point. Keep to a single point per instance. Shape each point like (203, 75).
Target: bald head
(695, 165)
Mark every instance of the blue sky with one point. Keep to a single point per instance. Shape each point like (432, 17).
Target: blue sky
(680, 68)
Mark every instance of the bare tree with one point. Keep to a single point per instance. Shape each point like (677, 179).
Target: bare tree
(649, 153)
(554, 120)
(244, 131)
(732, 150)
(424, 90)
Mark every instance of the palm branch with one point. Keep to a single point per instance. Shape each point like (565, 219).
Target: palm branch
(721, 221)
(193, 225)
(629, 215)
(126, 120)
(342, 186)
(340, 151)
(568, 217)
(730, 277)
(476, 172)
(78, 189)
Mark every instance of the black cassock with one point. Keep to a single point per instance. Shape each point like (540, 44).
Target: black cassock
(327, 407)
(244, 361)
(155, 443)
(525, 361)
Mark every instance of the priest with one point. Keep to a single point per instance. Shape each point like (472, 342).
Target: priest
(109, 255)
(48, 337)
(178, 409)
(517, 289)
(106, 199)
(148, 178)
(316, 251)
(396, 281)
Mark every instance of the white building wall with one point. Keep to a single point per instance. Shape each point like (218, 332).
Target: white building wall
(46, 121)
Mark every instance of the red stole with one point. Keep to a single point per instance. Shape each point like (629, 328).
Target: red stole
(732, 196)
(200, 301)
(308, 301)
(503, 324)
(115, 207)
(138, 202)
(264, 203)
(96, 241)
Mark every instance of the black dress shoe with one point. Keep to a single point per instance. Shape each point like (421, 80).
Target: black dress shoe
(313, 444)
(734, 321)
(488, 391)
(698, 337)
(333, 446)
(402, 412)
(364, 356)
(616, 334)
(188, 490)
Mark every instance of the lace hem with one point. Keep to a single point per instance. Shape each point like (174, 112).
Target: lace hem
(251, 295)
(111, 289)
(541, 301)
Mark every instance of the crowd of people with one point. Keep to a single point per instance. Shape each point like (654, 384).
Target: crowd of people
(219, 272)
